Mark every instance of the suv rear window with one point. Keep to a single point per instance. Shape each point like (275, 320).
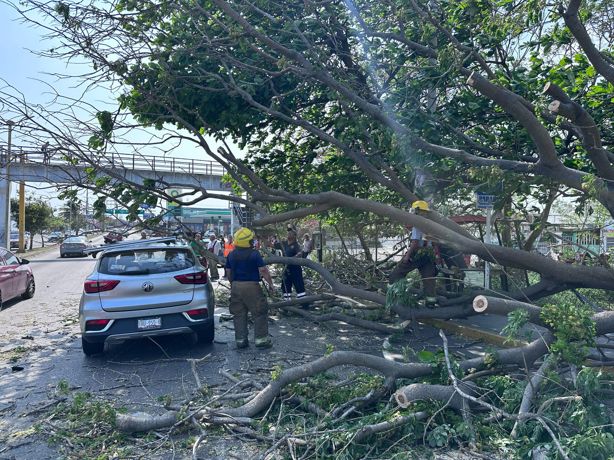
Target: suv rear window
(146, 261)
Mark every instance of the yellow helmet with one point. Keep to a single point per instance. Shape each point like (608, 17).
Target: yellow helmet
(420, 205)
(243, 237)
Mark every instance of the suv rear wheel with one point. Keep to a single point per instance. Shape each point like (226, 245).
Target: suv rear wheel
(92, 348)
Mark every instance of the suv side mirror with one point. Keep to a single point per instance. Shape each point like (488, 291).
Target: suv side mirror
(24, 261)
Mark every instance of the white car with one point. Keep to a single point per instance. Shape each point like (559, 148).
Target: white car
(74, 246)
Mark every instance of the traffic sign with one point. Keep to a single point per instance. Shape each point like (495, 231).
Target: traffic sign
(114, 212)
(485, 201)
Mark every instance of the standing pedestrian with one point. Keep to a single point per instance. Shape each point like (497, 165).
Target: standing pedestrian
(215, 248)
(422, 254)
(196, 243)
(228, 248)
(293, 274)
(205, 256)
(307, 245)
(45, 152)
(244, 268)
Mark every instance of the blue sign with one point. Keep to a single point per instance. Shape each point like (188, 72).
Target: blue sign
(485, 201)
(144, 206)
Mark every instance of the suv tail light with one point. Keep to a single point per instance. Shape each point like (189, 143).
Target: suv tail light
(92, 287)
(199, 313)
(96, 324)
(192, 278)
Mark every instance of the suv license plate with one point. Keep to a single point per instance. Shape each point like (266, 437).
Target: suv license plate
(150, 323)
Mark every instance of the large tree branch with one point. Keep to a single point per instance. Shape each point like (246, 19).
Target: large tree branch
(570, 16)
(514, 105)
(543, 220)
(591, 138)
(573, 275)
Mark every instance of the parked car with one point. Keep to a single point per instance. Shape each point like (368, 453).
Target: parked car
(113, 237)
(16, 278)
(15, 239)
(74, 246)
(143, 289)
(54, 237)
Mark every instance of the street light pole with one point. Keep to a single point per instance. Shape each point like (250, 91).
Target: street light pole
(7, 217)
(22, 212)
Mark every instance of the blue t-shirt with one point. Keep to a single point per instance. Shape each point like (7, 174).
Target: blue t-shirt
(244, 264)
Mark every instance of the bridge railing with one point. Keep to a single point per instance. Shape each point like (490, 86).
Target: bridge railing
(59, 157)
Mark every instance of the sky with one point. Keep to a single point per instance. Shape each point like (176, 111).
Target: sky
(31, 75)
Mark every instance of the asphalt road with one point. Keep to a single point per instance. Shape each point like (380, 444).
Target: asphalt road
(40, 346)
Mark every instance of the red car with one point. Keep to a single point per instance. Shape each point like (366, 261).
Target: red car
(113, 237)
(16, 278)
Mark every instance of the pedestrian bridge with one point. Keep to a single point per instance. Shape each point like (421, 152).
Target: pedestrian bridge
(61, 167)
(34, 165)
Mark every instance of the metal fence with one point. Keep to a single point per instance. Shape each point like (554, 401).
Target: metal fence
(136, 162)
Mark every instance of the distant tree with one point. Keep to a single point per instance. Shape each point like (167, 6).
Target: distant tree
(72, 214)
(38, 216)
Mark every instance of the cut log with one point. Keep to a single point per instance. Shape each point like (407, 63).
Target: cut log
(138, 422)
(446, 394)
(502, 307)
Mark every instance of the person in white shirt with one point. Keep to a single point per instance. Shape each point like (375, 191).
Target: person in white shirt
(215, 246)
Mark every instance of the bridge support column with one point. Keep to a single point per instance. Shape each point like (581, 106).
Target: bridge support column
(5, 209)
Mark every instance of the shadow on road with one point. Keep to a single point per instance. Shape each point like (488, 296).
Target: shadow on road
(81, 259)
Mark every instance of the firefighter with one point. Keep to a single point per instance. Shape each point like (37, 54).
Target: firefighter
(244, 268)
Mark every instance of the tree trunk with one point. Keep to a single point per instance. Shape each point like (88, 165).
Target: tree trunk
(365, 245)
(343, 245)
(543, 220)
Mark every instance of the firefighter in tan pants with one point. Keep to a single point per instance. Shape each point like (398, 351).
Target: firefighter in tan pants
(244, 268)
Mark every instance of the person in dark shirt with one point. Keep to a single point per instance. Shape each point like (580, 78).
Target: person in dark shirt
(244, 268)
(293, 274)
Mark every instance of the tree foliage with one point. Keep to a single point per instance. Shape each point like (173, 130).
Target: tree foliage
(38, 215)
(341, 105)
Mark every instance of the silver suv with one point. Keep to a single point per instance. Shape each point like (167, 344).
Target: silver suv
(144, 289)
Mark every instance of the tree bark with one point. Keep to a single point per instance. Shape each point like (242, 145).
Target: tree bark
(445, 394)
(584, 40)
(343, 245)
(530, 391)
(502, 307)
(365, 245)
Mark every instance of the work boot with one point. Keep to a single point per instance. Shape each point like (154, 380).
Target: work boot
(242, 343)
(264, 342)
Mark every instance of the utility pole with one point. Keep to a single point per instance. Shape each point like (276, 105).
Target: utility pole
(22, 210)
(87, 205)
(7, 217)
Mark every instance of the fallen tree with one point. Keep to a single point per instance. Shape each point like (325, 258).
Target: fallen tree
(351, 111)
